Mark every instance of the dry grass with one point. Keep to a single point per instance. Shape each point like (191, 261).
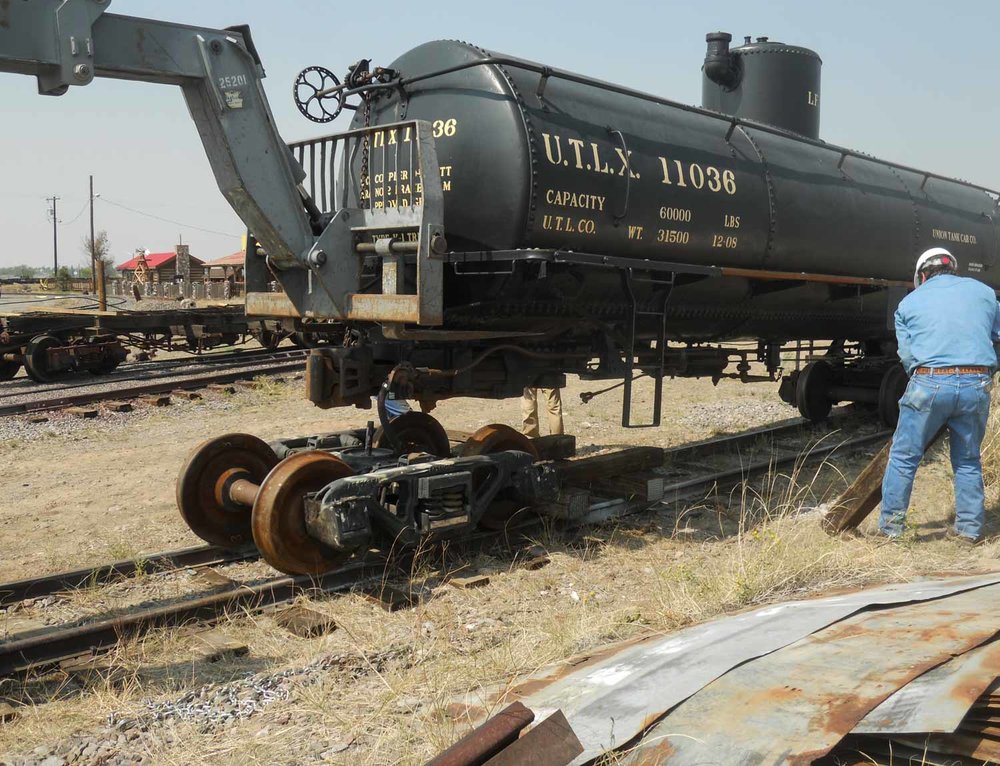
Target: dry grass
(388, 701)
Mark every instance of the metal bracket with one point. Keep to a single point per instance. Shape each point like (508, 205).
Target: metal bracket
(732, 129)
(74, 21)
(542, 82)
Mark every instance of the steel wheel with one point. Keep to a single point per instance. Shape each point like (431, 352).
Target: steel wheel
(418, 432)
(812, 391)
(8, 369)
(269, 339)
(201, 496)
(36, 362)
(498, 438)
(890, 392)
(279, 522)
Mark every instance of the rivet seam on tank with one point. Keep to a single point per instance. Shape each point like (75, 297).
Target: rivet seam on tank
(916, 209)
(532, 154)
(772, 201)
(764, 51)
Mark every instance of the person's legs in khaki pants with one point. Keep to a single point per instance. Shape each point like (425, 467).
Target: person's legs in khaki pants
(529, 412)
(553, 401)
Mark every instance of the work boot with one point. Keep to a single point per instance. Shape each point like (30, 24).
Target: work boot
(963, 539)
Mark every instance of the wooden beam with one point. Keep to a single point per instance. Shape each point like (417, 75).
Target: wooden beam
(586, 470)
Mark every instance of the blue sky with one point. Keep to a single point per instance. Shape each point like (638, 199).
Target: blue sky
(910, 81)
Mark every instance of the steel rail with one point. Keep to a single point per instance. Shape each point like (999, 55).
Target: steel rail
(183, 558)
(775, 461)
(147, 371)
(43, 648)
(159, 387)
(696, 487)
(731, 441)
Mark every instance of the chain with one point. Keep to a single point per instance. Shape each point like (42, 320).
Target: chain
(364, 149)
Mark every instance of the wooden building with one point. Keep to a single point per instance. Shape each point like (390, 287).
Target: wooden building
(177, 266)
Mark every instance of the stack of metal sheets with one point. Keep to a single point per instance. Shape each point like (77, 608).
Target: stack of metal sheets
(895, 675)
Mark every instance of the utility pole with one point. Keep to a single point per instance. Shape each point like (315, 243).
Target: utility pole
(93, 252)
(96, 261)
(55, 235)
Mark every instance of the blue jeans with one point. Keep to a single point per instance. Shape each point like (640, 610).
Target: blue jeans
(931, 402)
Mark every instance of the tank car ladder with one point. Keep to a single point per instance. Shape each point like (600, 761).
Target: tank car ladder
(629, 281)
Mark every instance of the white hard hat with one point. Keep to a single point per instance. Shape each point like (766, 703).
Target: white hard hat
(936, 256)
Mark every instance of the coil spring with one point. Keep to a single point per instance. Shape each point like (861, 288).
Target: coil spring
(448, 502)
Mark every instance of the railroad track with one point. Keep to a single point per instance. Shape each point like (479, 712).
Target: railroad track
(143, 370)
(184, 558)
(155, 382)
(47, 647)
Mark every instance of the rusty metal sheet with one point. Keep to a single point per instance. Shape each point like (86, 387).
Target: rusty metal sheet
(877, 751)
(936, 702)
(611, 698)
(794, 705)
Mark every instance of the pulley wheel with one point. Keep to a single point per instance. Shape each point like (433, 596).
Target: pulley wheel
(36, 358)
(812, 391)
(418, 432)
(8, 369)
(279, 521)
(890, 392)
(201, 486)
(498, 438)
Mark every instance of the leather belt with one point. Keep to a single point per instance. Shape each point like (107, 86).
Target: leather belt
(952, 371)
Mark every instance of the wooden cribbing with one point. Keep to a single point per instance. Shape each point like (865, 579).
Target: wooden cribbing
(864, 494)
(586, 470)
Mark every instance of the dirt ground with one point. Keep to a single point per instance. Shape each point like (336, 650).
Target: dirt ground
(377, 690)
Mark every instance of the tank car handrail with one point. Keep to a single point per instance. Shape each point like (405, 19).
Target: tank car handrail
(734, 122)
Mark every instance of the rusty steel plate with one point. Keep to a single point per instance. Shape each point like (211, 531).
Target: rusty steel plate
(793, 706)
(498, 437)
(936, 702)
(201, 486)
(611, 697)
(278, 519)
(418, 432)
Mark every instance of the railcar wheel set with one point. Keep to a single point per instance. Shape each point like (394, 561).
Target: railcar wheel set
(309, 512)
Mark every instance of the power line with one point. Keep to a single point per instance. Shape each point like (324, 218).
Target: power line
(165, 220)
(73, 219)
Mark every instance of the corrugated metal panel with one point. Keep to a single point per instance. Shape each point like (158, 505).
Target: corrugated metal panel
(936, 702)
(795, 705)
(975, 742)
(612, 698)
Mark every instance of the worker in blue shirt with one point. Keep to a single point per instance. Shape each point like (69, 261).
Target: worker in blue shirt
(947, 330)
